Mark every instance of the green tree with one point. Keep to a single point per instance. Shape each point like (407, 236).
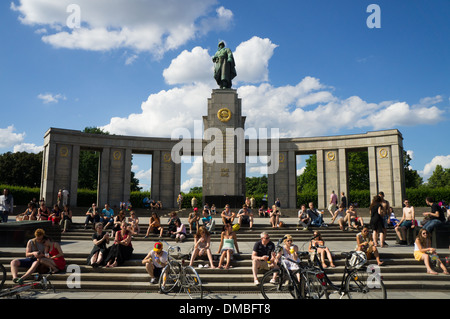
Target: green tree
(89, 163)
(196, 190)
(256, 185)
(21, 169)
(358, 170)
(440, 177)
(412, 178)
(307, 182)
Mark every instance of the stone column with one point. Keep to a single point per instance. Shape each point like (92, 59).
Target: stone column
(328, 180)
(343, 174)
(103, 177)
(398, 176)
(166, 178)
(48, 171)
(224, 151)
(283, 184)
(73, 187)
(385, 173)
(61, 171)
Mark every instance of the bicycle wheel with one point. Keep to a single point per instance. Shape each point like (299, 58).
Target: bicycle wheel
(169, 278)
(45, 285)
(279, 287)
(3, 276)
(313, 285)
(192, 283)
(364, 284)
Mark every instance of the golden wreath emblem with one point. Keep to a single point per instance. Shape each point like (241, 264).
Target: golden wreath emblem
(167, 157)
(281, 158)
(331, 156)
(383, 153)
(224, 115)
(117, 155)
(64, 151)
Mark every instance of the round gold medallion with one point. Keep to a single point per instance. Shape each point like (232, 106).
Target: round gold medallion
(383, 153)
(167, 157)
(117, 155)
(331, 156)
(64, 151)
(224, 115)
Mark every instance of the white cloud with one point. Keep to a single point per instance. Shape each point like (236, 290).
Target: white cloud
(297, 110)
(252, 60)
(443, 160)
(301, 170)
(131, 59)
(8, 138)
(146, 25)
(51, 98)
(402, 114)
(27, 147)
(190, 67)
(194, 174)
(164, 112)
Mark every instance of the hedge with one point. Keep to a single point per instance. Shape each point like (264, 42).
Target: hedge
(416, 196)
(22, 195)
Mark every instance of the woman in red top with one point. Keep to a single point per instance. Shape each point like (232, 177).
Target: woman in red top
(122, 248)
(54, 256)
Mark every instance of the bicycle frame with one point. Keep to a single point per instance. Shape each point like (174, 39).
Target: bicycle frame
(17, 290)
(337, 288)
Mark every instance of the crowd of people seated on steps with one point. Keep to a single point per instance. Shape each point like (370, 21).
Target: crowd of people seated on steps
(119, 231)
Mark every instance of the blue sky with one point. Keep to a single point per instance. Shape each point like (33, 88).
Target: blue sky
(307, 67)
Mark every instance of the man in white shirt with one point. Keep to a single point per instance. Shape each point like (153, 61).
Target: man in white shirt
(6, 205)
(65, 197)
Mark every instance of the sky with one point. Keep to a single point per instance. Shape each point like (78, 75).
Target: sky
(309, 68)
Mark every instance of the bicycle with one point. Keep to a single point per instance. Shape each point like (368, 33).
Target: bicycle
(40, 282)
(176, 274)
(358, 281)
(304, 283)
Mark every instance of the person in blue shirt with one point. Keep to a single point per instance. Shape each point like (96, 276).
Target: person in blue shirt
(108, 216)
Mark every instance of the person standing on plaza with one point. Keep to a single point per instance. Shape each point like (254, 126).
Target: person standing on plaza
(344, 200)
(6, 205)
(65, 197)
(180, 201)
(333, 203)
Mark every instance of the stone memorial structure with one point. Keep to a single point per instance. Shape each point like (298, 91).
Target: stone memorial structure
(224, 148)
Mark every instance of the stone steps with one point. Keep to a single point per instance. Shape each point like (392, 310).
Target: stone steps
(401, 271)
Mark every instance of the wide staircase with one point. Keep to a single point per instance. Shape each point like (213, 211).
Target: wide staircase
(400, 271)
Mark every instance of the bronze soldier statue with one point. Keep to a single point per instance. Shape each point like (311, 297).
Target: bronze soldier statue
(224, 68)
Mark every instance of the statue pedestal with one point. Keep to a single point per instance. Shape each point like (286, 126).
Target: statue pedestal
(223, 152)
